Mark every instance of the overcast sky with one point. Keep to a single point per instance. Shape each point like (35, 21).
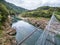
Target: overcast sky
(33, 4)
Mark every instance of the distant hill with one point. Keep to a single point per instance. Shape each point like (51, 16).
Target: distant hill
(44, 8)
(44, 11)
(12, 7)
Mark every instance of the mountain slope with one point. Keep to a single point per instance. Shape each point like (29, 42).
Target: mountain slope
(44, 11)
(12, 7)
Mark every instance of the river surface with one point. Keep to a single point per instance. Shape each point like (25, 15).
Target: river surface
(23, 30)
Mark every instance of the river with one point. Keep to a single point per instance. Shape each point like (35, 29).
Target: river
(27, 34)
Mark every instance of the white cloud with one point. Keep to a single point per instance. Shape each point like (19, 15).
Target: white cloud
(33, 4)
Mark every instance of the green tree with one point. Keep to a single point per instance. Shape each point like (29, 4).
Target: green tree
(3, 12)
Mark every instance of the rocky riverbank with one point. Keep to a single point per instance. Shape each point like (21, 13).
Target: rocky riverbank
(38, 22)
(8, 34)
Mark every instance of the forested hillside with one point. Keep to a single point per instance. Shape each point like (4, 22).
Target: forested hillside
(44, 11)
(12, 8)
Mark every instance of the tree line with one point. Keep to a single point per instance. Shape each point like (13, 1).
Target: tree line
(44, 11)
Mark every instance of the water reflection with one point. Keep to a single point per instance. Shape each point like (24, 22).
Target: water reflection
(23, 29)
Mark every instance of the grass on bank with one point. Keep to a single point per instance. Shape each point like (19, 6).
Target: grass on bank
(58, 17)
(37, 18)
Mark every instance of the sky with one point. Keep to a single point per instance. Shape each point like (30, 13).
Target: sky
(33, 4)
